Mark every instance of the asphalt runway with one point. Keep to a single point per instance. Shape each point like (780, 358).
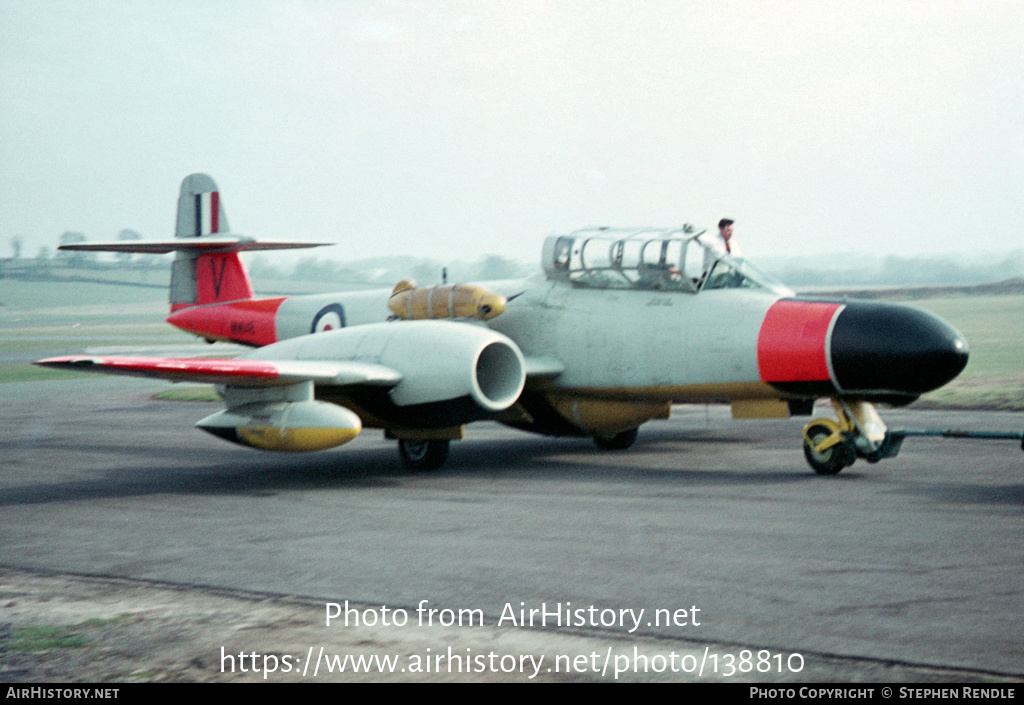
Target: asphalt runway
(916, 560)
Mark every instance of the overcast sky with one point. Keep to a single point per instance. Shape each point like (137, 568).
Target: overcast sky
(455, 129)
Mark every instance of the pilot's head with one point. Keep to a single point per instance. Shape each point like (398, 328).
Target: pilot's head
(725, 227)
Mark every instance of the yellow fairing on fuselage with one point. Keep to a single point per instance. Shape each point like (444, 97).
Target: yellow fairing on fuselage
(448, 301)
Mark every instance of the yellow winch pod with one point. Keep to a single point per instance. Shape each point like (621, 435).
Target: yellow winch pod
(447, 301)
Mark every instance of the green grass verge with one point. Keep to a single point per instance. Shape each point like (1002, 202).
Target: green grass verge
(104, 288)
(975, 395)
(204, 393)
(994, 328)
(45, 638)
(34, 373)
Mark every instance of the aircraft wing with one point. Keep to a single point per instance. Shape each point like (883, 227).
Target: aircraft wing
(226, 243)
(256, 373)
(233, 372)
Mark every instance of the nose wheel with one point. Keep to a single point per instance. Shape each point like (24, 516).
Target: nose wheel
(824, 452)
(830, 446)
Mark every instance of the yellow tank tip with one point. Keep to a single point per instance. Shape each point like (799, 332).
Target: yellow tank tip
(491, 305)
(403, 285)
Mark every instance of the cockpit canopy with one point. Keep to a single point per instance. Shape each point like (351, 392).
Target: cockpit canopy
(660, 260)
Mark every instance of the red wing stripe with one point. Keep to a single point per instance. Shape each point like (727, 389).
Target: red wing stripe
(250, 369)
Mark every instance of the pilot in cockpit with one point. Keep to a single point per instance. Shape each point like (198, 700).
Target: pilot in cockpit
(716, 246)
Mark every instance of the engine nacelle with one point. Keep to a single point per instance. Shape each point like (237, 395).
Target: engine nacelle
(452, 372)
(285, 425)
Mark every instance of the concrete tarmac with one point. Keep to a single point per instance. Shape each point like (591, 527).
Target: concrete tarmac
(719, 524)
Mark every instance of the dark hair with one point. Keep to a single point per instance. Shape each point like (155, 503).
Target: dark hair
(723, 222)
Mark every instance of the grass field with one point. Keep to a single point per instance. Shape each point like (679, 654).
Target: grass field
(75, 315)
(994, 328)
(60, 317)
(31, 373)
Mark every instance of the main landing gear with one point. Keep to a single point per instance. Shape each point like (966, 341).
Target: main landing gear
(423, 455)
(830, 446)
(616, 441)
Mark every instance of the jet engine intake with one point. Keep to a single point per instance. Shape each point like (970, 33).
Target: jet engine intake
(451, 372)
(498, 376)
(445, 362)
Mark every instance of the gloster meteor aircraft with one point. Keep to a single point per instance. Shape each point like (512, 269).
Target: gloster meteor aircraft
(616, 327)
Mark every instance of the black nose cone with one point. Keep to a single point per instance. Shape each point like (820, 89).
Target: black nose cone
(889, 349)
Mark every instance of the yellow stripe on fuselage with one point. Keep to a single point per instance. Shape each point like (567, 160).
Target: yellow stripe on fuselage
(677, 394)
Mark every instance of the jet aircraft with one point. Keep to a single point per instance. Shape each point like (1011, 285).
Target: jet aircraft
(616, 327)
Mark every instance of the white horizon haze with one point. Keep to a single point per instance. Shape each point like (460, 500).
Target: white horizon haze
(447, 129)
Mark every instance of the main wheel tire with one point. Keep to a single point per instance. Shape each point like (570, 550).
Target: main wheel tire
(423, 455)
(831, 460)
(616, 441)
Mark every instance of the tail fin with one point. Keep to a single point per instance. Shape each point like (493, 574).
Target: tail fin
(199, 277)
(200, 211)
(207, 268)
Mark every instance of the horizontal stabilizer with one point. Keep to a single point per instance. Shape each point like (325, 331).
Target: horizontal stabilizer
(219, 244)
(235, 373)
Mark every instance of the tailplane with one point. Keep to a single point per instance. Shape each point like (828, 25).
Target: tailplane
(207, 268)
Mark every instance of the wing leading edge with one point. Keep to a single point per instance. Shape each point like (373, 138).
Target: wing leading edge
(232, 372)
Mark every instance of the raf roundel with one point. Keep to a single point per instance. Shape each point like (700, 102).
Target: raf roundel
(328, 318)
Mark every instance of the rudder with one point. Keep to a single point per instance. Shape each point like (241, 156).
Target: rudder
(198, 277)
(200, 211)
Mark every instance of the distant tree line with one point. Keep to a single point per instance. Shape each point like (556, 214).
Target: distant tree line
(45, 263)
(381, 271)
(387, 270)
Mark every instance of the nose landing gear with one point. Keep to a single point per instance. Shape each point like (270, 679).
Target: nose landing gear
(830, 446)
(827, 448)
